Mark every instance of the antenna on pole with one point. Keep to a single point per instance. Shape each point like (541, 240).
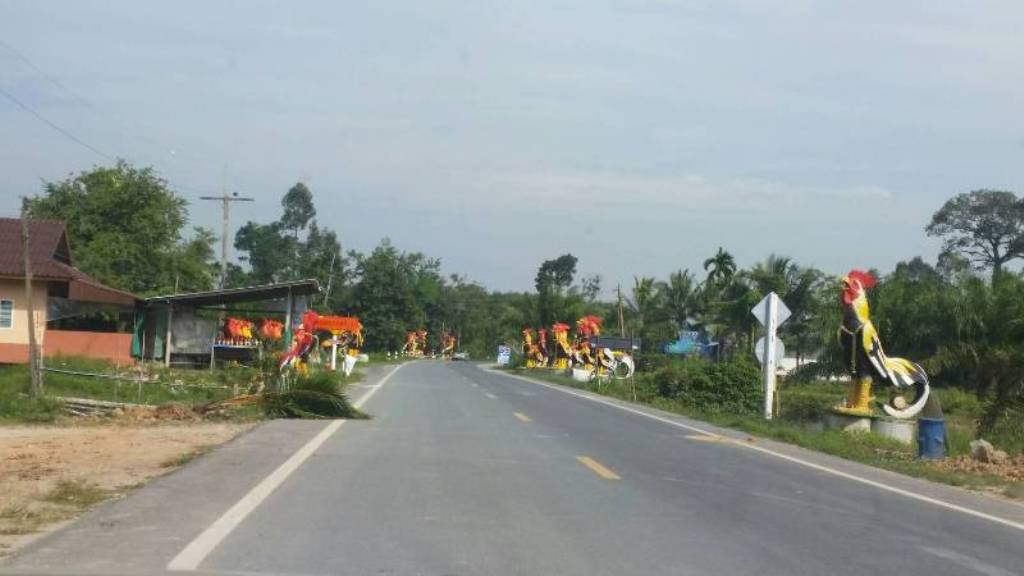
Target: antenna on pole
(227, 200)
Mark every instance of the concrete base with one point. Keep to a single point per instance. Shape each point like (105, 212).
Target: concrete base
(847, 423)
(900, 430)
(581, 375)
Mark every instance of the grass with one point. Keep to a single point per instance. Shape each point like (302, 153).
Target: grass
(76, 493)
(22, 518)
(189, 387)
(802, 404)
(186, 457)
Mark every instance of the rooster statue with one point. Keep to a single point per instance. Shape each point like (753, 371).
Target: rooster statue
(866, 360)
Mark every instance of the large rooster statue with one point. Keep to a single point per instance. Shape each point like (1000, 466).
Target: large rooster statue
(866, 360)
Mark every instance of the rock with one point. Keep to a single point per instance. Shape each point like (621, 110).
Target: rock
(999, 457)
(982, 450)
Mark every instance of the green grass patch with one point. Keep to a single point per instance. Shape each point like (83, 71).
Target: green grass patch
(76, 493)
(159, 386)
(186, 457)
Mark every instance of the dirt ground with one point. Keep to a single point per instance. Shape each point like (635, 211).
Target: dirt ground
(51, 474)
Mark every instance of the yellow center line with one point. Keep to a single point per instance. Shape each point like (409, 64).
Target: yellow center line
(522, 417)
(598, 468)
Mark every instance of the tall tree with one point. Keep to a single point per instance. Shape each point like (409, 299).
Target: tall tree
(125, 227)
(292, 248)
(554, 277)
(720, 267)
(298, 209)
(987, 226)
(680, 297)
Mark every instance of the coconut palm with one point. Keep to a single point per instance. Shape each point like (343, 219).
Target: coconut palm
(680, 295)
(720, 267)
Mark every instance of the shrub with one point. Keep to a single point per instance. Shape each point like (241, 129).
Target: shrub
(300, 403)
(732, 386)
(320, 381)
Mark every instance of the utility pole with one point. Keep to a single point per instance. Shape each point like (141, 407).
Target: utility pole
(330, 278)
(622, 319)
(33, 347)
(227, 200)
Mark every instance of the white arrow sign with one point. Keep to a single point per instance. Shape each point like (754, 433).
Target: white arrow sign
(761, 310)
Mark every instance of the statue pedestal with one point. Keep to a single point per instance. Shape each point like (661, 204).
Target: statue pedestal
(900, 430)
(847, 422)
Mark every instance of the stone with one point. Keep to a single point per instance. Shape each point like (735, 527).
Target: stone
(982, 450)
(999, 457)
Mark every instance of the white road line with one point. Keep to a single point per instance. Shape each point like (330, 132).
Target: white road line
(491, 396)
(197, 550)
(786, 457)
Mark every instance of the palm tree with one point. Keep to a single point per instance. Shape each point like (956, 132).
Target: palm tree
(680, 297)
(720, 267)
(644, 300)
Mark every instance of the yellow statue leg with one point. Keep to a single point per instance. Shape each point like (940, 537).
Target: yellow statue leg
(858, 398)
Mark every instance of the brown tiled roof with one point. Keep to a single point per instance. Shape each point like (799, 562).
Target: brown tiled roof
(50, 256)
(45, 238)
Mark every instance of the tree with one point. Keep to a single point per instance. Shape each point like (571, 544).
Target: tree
(680, 297)
(278, 251)
(720, 267)
(987, 226)
(644, 300)
(298, 209)
(554, 277)
(394, 292)
(125, 229)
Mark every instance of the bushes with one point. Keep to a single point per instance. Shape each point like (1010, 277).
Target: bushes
(318, 395)
(733, 386)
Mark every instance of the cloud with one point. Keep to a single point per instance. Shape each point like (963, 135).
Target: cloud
(601, 193)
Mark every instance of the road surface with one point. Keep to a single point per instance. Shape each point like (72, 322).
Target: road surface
(467, 471)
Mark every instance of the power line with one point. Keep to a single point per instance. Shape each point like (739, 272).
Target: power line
(53, 125)
(49, 77)
(77, 97)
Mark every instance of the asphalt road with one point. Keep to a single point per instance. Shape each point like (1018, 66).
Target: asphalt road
(465, 471)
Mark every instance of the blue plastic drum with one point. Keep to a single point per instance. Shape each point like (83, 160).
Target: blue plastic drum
(931, 438)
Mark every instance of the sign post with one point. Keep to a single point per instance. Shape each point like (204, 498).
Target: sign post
(771, 312)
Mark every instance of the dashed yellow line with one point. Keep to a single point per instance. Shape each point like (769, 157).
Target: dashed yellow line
(522, 417)
(598, 468)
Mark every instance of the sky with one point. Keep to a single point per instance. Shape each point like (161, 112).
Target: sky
(637, 135)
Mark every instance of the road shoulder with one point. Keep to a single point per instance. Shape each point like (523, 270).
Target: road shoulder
(144, 530)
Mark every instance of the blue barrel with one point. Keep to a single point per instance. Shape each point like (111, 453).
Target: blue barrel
(931, 438)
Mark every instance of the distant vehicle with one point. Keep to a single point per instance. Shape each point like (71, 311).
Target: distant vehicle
(460, 356)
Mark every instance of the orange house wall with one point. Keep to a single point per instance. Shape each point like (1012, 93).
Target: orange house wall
(109, 346)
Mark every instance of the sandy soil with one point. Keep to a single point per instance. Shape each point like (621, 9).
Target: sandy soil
(50, 474)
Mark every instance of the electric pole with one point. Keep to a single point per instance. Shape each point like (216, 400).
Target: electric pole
(35, 373)
(227, 200)
(622, 319)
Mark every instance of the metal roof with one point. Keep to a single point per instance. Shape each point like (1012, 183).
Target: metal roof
(236, 295)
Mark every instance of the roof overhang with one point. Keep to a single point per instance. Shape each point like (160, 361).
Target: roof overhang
(90, 292)
(238, 295)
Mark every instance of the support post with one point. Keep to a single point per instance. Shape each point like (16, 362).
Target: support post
(768, 366)
(167, 336)
(36, 374)
(288, 312)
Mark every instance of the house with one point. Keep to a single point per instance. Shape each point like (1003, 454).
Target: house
(75, 315)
